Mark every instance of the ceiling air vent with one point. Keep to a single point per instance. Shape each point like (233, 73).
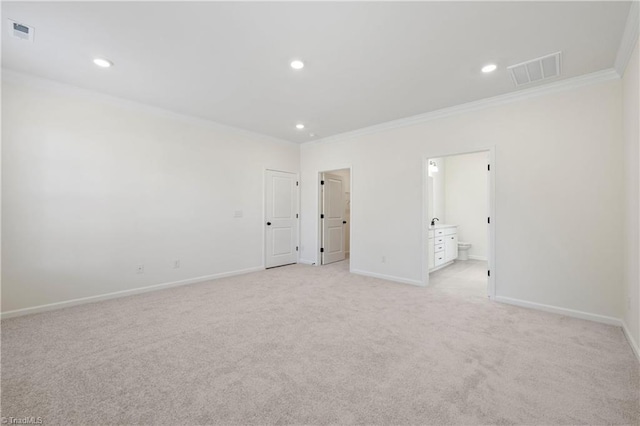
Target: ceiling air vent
(20, 31)
(536, 69)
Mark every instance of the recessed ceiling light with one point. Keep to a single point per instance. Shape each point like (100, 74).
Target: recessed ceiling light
(103, 63)
(297, 64)
(489, 68)
(299, 126)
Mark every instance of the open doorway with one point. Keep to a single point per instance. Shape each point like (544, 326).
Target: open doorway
(459, 221)
(335, 216)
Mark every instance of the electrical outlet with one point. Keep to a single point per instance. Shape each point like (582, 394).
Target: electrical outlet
(140, 269)
(176, 264)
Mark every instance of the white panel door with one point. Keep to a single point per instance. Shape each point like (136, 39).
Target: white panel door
(281, 220)
(332, 218)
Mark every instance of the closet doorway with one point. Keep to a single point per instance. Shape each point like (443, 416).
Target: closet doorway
(335, 215)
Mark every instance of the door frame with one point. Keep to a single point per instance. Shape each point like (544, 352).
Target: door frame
(319, 211)
(264, 212)
(491, 254)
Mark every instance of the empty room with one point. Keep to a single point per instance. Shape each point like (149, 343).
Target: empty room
(255, 213)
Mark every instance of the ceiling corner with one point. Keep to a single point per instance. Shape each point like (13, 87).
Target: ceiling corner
(629, 38)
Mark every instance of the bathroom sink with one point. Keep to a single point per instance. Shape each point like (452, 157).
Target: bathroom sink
(444, 225)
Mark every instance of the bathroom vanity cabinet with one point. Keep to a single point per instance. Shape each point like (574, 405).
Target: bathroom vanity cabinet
(442, 246)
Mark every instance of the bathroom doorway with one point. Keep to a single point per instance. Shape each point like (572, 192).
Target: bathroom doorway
(459, 220)
(335, 216)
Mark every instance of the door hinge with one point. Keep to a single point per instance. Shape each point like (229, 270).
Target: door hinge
(296, 215)
(322, 216)
(488, 220)
(321, 250)
(489, 273)
(488, 167)
(296, 183)
(321, 182)
(296, 248)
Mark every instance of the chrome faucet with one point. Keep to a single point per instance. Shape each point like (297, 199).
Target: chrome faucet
(433, 221)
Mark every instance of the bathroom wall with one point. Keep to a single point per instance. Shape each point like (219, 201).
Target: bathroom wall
(437, 207)
(466, 199)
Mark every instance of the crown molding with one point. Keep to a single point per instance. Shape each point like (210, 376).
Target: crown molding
(11, 76)
(629, 38)
(547, 89)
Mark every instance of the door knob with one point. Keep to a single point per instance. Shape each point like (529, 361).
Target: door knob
(344, 222)
(268, 223)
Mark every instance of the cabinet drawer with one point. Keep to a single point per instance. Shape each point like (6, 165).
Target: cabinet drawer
(438, 240)
(430, 256)
(439, 248)
(450, 231)
(439, 258)
(439, 232)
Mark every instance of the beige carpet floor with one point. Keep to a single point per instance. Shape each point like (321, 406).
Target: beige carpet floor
(316, 345)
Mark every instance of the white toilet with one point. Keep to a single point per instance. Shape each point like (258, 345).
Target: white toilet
(463, 251)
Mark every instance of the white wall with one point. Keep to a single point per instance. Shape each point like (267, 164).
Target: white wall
(631, 118)
(466, 199)
(93, 187)
(437, 191)
(558, 194)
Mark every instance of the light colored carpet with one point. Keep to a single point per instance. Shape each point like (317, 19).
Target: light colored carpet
(316, 345)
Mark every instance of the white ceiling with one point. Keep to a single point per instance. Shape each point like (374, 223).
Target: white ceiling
(366, 63)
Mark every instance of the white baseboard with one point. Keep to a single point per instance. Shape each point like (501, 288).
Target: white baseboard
(306, 262)
(387, 277)
(562, 311)
(123, 293)
(631, 340)
(474, 257)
